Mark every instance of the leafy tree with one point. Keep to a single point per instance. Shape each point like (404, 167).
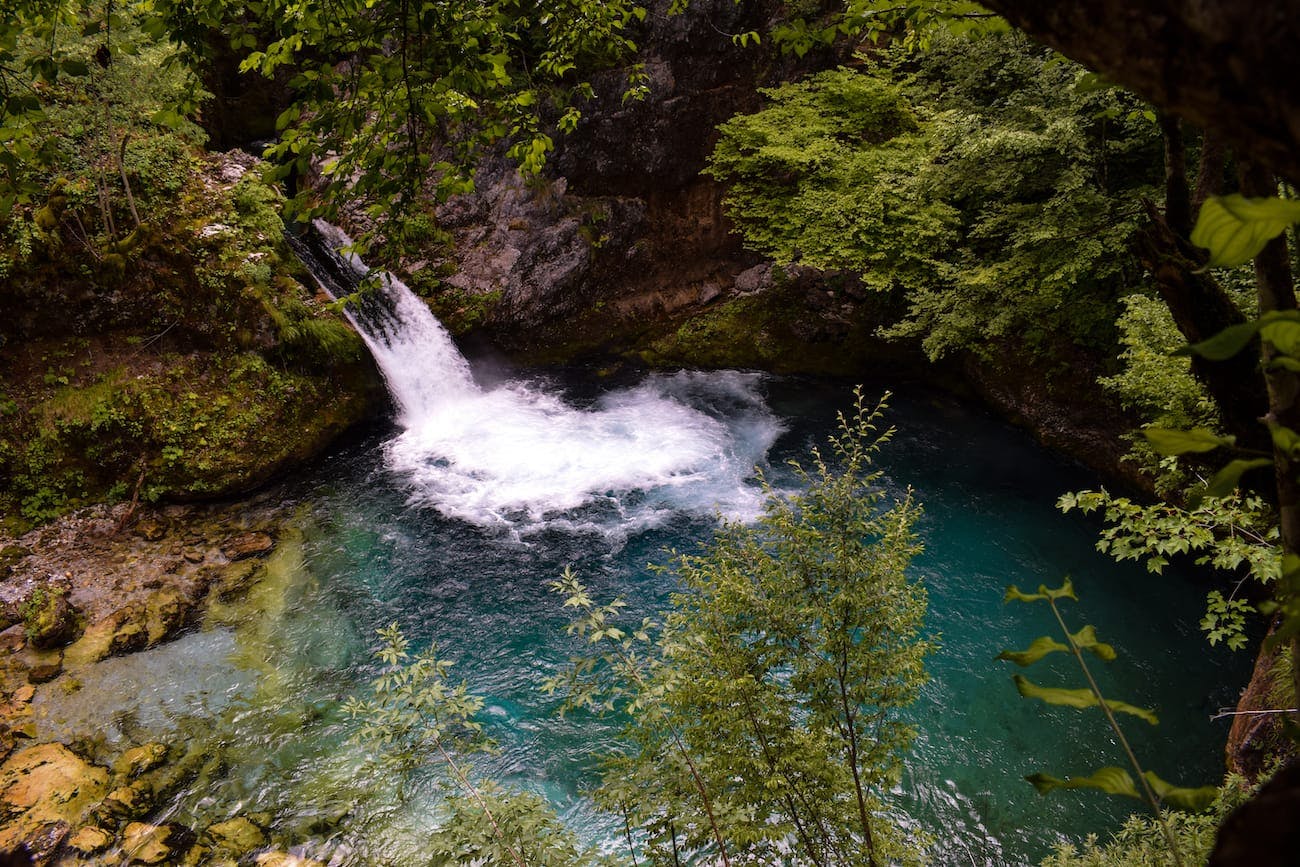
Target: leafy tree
(415, 715)
(764, 709)
(987, 181)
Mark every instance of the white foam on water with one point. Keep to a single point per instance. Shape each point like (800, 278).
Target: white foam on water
(519, 458)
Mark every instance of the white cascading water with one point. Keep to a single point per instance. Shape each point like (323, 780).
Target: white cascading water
(518, 458)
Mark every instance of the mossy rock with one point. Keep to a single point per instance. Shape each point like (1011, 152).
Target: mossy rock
(49, 619)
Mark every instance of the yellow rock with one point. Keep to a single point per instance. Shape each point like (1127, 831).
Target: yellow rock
(284, 859)
(90, 840)
(138, 760)
(45, 784)
(237, 836)
(154, 844)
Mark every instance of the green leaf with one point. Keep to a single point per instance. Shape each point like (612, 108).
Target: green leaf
(1193, 800)
(1168, 441)
(1086, 639)
(1225, 344)
(1111, 780)
(1234, 228)
(1284, 334)
(1065, 591)
(1077, 698)
(1040, 647)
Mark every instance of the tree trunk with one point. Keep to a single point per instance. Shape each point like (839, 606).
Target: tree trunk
(1202, 309)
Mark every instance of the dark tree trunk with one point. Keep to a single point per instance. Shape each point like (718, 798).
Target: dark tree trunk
(1227, 66)
(1202, 309)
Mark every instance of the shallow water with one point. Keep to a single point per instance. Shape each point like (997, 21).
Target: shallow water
(453, 535)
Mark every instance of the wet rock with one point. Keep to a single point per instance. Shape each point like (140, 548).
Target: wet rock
(45, 785)
(41, 844)
(194, 555)
(140, 760)
(129, 637)
(169, 612)
(284, 859)
(13, 639)
(49, 618)
(236, 579)
(236, 836)
(45, 672)
(22, 695)
(124, 631)
(155, 844)
(129, 801)
(89, 840)
(150, 528)
(245, 545)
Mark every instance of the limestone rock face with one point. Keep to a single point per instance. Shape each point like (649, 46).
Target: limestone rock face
(44, 787)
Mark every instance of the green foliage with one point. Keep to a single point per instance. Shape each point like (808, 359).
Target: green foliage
(764, 709)
(1234, 228)
(977, 179)
(1234, 534)
(828, 176)
(415, 716)
(1160, 387)
(80, 84)
(425, 78)
(474, 831)
(1142, 841)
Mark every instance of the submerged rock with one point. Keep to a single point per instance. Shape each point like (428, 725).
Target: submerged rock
(156, 844)
(139, 760)
(237, 836)
(245, 545)
(284, 859)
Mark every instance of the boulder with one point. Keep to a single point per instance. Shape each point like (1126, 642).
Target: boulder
(45, 672)
(123, 631)
(245, 545)
(49, 618)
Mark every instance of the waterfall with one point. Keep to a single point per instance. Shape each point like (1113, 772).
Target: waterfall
(519, 457)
